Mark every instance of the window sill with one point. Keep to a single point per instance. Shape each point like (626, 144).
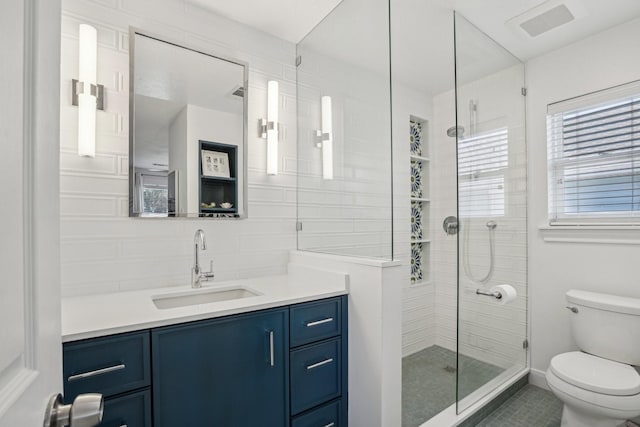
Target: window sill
(591, 234)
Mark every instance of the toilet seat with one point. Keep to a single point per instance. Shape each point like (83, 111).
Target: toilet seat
(596, 374)
(621, 406)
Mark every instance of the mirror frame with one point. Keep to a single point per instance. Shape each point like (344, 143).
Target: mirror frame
(245, 120)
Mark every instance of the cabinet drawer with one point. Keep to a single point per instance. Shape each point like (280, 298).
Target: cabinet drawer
(315, 375)
(315, 321)
(324, 416)
(130, 410)
(109, 365)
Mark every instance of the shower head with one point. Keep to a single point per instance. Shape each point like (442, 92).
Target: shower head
(454, 131)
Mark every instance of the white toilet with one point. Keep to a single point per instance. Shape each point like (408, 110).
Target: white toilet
(598, 385)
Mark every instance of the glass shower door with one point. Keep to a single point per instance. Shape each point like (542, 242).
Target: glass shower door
(492, 237)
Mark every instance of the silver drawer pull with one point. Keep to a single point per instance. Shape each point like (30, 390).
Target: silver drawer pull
(330, 425)
(271, 349)
(317, 365)
(124, 425)
(320, 322)
(96, 372)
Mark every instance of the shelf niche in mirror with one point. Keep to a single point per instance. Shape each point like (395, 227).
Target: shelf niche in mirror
(184, 102)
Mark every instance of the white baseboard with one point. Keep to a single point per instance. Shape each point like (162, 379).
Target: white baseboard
(538, 379)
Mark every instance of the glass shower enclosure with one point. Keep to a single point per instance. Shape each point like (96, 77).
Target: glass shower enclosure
(407, 115)
(492, 214)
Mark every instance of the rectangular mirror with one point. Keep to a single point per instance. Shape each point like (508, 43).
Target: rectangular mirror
(188, 138)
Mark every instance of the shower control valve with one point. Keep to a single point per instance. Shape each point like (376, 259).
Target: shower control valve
(450, 225)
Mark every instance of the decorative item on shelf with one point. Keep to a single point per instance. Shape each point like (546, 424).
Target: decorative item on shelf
(86, 93)
(208, 205)
(215, 164)
(416, 222)
(226, 205)
(416, 263)
(415, 137)
(269, 127)
(416, 179)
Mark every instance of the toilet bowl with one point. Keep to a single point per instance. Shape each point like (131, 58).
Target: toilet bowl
(600, 385)
(596, 392)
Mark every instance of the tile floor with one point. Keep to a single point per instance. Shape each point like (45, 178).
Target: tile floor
(529, 407)
(429, 382)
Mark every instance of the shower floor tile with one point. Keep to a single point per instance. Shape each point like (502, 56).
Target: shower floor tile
(429, 382)
(530, 406)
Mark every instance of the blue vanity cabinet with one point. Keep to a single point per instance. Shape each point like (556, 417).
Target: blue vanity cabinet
(230, 371)
(280, 367)
(318, 363)
(116, 366)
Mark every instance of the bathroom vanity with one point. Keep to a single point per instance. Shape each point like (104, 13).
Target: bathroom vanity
(277, 357)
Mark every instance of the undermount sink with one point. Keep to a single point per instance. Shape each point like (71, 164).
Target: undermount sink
(201, 296)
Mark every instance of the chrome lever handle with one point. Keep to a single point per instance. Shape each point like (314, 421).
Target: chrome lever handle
(572, 309)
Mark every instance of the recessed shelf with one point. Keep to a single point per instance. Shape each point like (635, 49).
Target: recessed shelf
(419, 158)
(217, 178)
(422, 283)
(420, 199)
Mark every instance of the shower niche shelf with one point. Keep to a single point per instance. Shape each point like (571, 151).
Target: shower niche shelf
(420, 202)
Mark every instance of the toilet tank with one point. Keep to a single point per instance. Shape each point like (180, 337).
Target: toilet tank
(606, 325)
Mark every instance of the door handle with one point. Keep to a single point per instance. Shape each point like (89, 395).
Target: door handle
(85, 411)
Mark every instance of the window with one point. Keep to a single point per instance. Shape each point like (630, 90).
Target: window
(482, 162)
(153, 193)
(594, 158)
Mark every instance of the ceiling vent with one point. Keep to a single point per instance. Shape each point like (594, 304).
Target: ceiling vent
(547, 21)
(238, 92)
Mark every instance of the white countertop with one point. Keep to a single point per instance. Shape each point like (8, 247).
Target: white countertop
(105, 314)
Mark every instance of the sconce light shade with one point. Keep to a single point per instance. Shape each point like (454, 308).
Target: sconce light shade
(87, 101)
(327, 140)
(272, 127)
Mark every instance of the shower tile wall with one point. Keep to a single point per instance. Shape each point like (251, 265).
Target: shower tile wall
(489, 333)
(102, 250)
(418, 301)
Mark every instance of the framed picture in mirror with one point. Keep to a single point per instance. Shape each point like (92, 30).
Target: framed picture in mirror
(215, 163)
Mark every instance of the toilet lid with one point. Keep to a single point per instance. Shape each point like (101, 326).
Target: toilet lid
(596, 374)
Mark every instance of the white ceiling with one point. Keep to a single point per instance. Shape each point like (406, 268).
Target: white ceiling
(422, 33)
(287, 19)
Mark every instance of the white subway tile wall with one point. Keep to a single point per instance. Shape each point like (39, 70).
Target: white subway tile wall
(102, 249)
(488, 332)
(351, 213)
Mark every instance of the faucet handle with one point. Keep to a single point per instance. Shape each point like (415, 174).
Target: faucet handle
(206, 275)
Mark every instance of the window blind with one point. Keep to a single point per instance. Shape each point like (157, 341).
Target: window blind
(482, 161)
(594, 158)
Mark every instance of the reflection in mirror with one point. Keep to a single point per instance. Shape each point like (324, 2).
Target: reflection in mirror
(188, 145)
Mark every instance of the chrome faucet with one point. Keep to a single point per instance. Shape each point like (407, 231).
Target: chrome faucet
(197, 275)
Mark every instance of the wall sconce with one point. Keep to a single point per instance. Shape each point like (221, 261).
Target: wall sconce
(325, 138)
(269, 127)
(86, 93)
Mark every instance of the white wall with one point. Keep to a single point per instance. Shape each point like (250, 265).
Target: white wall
(178, 138)
(102, 250)
(606, 59)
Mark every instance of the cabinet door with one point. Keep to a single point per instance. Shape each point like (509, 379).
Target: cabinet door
(222, 372)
